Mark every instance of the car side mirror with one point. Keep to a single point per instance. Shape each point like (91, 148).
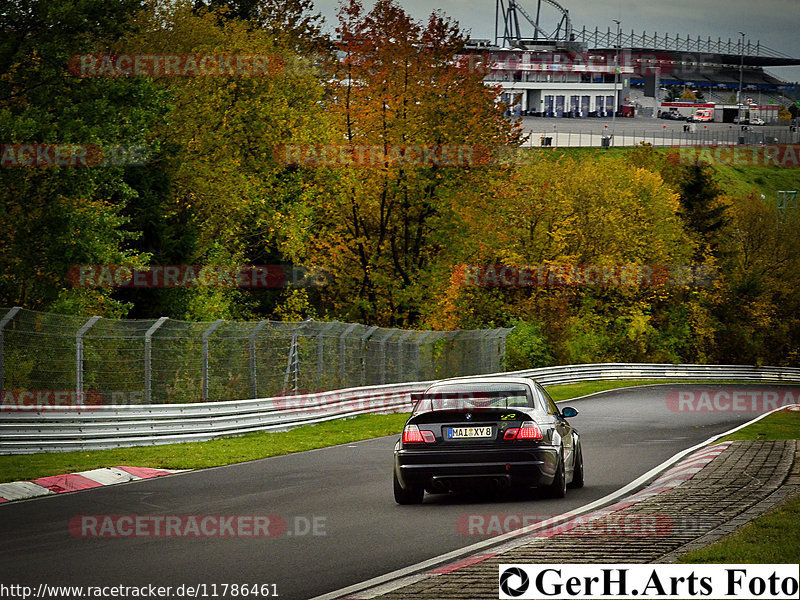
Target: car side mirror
(568, 412)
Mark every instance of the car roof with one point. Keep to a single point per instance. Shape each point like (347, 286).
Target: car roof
(486, 379)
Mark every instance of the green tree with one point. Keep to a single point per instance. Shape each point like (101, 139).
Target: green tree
(223, 199)
(57, 217)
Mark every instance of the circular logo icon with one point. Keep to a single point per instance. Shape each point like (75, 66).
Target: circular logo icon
(523, 584)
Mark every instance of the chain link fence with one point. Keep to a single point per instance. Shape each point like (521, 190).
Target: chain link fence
(694, 135)
(48, 358)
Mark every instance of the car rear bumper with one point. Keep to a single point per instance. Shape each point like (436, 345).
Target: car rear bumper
(440, 470)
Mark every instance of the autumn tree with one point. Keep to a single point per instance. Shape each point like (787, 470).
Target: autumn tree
(381, 229)
(561, 211)
(756, 310)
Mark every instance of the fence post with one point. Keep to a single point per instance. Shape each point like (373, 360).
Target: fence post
(502, 335)
(293, 361)
(364, 339)
(79, 358)
(252, 355)
(382, 342)
(148, 378)
(206, 334)
(417, 353)
(401, 359)
(9, 315)
(321, 352)
(343, 353)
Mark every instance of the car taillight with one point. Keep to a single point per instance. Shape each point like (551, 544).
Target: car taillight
(412, 435)
(529, 431)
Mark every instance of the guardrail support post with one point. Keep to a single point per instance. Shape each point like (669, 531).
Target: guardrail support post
(79, 358)
(252, 355)
(148, 376)
(206, 334)
(3, 322)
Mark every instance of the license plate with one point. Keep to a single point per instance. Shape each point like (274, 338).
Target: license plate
(456, 433)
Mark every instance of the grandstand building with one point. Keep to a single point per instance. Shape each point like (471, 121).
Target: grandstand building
(564, 72)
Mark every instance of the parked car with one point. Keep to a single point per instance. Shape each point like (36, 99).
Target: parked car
(756, 121)
(702, 115)
(491, 431)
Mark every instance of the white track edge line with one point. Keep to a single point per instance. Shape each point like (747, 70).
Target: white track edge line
(501, 539)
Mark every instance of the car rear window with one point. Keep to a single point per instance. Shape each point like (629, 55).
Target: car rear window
(470, 396)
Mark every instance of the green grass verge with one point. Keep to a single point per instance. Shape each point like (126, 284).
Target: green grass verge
(772, 538)
(734, 180)
(198, 455)
(782, 425)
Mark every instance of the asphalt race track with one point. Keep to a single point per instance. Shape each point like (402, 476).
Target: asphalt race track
(346, 488)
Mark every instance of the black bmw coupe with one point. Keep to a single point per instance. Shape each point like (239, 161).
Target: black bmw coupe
(486, 431)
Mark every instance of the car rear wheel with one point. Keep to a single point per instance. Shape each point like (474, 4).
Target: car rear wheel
(577, 472)
(409, 495)
(558, 489)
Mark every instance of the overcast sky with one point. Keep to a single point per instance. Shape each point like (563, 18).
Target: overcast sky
(776, 23)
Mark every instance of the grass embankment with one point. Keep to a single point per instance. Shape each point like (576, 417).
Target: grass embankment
(734, 180)
(198, 455)
(782, 425)
(775, 537)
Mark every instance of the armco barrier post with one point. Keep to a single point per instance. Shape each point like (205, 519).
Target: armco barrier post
(79, 358)
(3, 322)
(206, 334)
(148, 351)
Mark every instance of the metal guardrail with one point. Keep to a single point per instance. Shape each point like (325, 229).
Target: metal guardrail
(98, 427)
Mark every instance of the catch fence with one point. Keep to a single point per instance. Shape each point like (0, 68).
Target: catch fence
(50, 358)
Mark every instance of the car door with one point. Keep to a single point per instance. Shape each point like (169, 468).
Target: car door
(563, 428)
